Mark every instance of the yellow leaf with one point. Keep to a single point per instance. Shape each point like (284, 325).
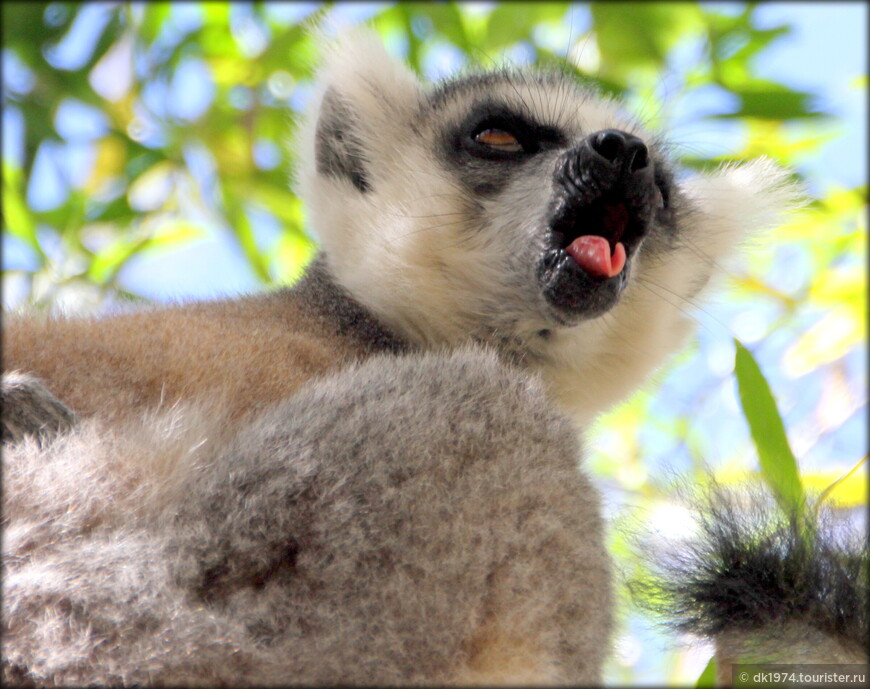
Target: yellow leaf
(175, 231)
(844, 491)
(16, 216)
(844, 286)
(232, 151)
(293, 253)
(227, 70)
(828, 340)
(109, 163)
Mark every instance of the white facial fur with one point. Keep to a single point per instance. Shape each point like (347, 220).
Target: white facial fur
(442, 265)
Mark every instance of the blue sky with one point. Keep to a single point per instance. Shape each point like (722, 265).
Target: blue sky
(826, 54)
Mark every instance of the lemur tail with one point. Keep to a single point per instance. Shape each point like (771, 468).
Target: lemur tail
(765, 584)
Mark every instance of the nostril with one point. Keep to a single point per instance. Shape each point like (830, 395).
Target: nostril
(640, 157)
(620, 148)
(609, 144)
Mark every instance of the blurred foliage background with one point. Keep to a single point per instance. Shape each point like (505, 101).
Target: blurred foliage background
(145, 158)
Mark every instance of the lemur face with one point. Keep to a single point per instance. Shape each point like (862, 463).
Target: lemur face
(602, 191)
(520, 209)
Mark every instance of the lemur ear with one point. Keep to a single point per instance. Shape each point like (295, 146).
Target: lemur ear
(362, 92)
(738, 202)
(338, 147)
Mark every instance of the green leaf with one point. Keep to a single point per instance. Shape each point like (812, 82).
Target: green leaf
(294, 49)
(280, 202)
(778, 464)
(25, 30)
(116, 210)
(448, 21)
(17, 219)
(109, 261)
(243, 231)
(707, 678)
(511, 22)
(155, 16)
(640, 34)
(773, 102)
(107, 37)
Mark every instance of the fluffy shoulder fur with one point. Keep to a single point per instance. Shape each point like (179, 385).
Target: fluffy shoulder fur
(413, 519)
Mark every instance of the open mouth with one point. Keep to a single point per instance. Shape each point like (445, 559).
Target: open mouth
(601, 254)
(586, 266)
(604, 203)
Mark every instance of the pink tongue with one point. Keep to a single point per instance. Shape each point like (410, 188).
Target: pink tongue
(592, 254)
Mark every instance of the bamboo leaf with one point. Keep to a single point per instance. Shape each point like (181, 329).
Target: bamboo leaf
(707, 678)
(778, 464)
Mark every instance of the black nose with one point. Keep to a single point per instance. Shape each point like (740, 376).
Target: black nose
(623, 150)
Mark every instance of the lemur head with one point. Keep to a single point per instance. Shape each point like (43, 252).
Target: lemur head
(517, 208)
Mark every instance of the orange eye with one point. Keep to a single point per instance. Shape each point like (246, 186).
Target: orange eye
(498, 139)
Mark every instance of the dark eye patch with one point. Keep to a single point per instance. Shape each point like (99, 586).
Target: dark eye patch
(531, 136)
(484, 169)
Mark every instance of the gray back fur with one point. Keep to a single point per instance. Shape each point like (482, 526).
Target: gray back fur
(357, 533)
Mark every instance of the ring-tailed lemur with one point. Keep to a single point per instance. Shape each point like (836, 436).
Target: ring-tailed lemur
(371, 477)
